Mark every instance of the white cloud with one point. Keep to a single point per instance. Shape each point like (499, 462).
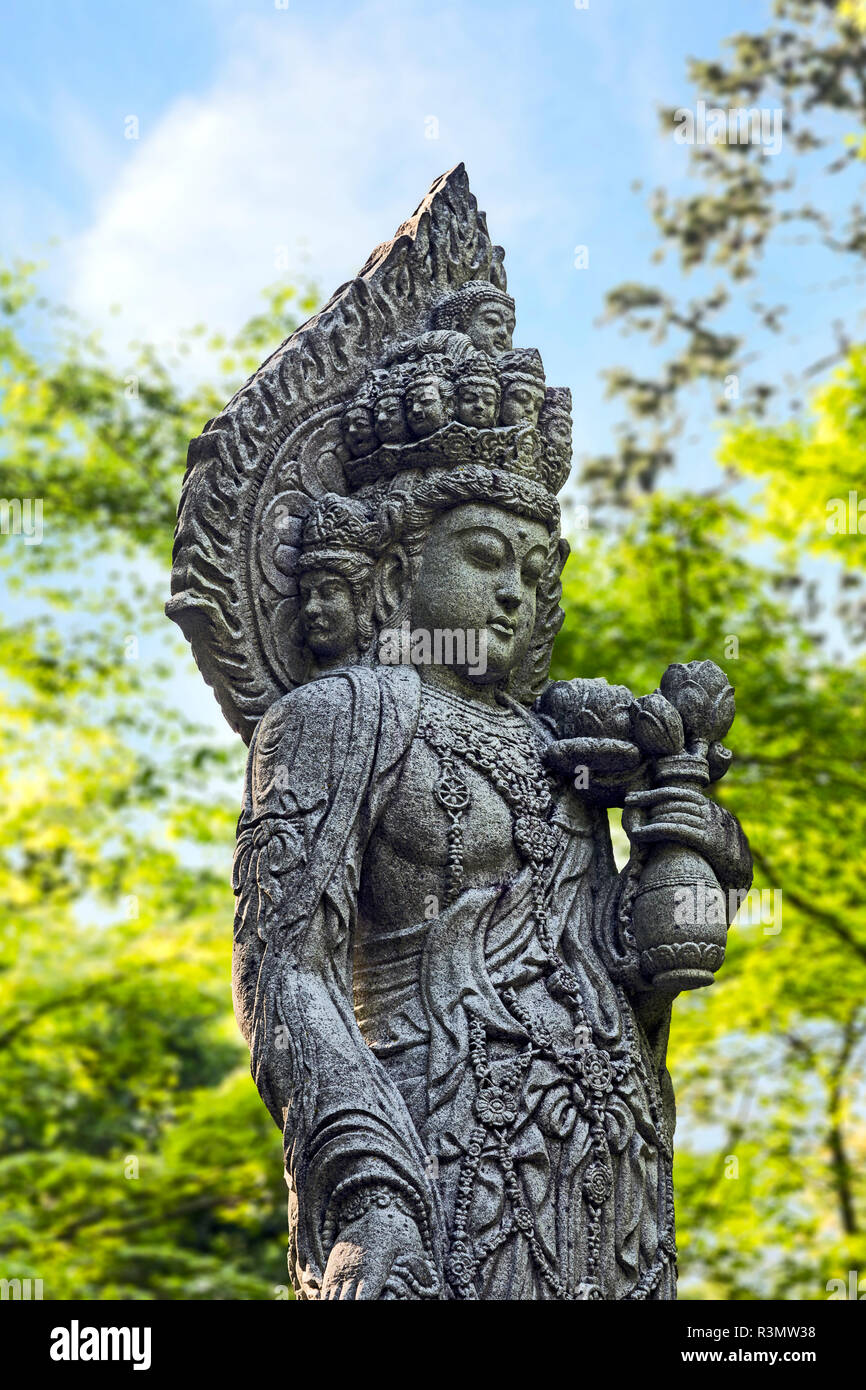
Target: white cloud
(312, 142)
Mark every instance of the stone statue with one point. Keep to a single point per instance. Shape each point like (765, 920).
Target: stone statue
(457, 1007)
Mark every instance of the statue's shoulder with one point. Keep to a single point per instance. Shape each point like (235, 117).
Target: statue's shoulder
(317, 736)
(315, 712)
(331, 705)
(330, 691)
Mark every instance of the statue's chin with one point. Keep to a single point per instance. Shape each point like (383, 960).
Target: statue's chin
(482, 680)
(331, 654)
(503, 656)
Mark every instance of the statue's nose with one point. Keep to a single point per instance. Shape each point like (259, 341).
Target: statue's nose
(508, 594)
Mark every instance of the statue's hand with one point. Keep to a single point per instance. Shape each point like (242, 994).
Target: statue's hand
(684, 816)
(601, 768)
(677, 814)
(380, 1254)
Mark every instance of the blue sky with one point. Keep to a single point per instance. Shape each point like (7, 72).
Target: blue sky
(304, 132)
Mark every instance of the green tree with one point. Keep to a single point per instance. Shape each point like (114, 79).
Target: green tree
(769, 1064)
(136, 1160)
(743, 210)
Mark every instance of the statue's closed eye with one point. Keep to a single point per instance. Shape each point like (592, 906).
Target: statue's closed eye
(485, 550)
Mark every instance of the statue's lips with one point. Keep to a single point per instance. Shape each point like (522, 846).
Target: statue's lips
(502, 626)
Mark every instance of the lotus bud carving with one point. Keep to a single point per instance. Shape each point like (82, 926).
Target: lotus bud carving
(589, 709)
(656, 726)
(704, 698)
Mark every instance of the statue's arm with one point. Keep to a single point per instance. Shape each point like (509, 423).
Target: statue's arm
(353, 1160)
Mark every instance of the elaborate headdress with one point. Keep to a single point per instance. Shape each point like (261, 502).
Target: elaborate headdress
(340, 533)
(394, 380)
(248, 521)
(434, 369)
(479, 368)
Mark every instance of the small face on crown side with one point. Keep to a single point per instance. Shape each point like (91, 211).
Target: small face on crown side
(328, 619)
(359, 430)
(391, 419)
(425, 408)
(558, 429)
(477, 403)
(521, 403)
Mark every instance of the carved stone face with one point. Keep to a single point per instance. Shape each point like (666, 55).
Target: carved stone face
(558, 431)
(479, 571)
(491, 328)
(328, 618)
(390, 419)
(521, 403)
(425, 408)
(477, 404)
(358, 430)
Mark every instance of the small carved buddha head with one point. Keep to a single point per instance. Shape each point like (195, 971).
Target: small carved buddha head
(359, 428)
(481, 311)
(478, 394)
(429, 401)
(523, 386)
(555, 426)
(391, 416)
(339, 546)
(328, 617)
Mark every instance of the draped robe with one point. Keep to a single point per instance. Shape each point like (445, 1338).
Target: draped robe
(364, 1060)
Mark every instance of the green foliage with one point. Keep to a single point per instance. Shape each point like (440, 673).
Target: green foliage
(766, 1065)
(136, 1160)
(810, 468)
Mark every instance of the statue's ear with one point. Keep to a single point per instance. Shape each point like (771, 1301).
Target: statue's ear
(391, 586)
